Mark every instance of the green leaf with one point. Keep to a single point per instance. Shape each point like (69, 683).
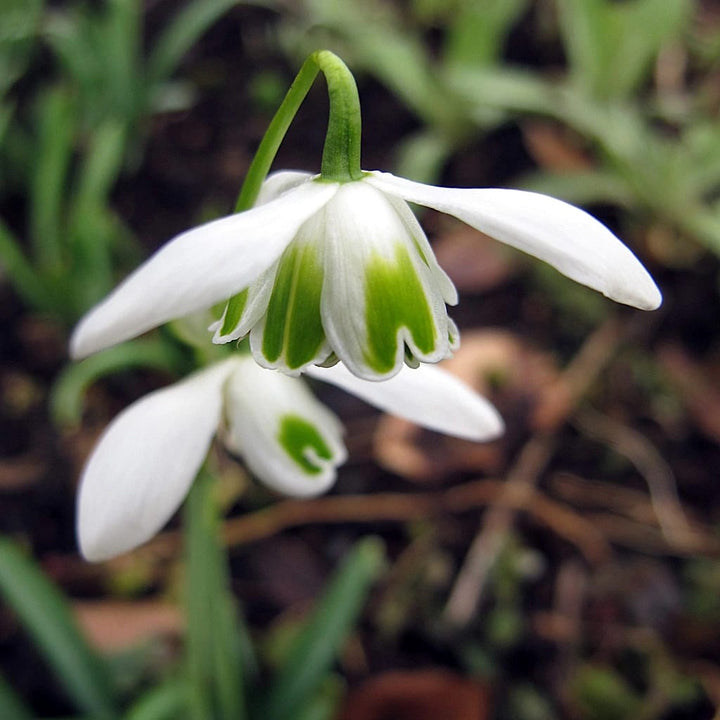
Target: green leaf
(47, 617)
(53, 152)
(67, 33)
(13, 707)
(421, 157)
(28, 283)
(215, 639)
(705, 226)
(92, 226)
(102, 165)
(324, 704)
(6, 116)
(371, 37)
(118, 53)
(182, 33)
(19, 21)
(66, 399)
(478, 30)
(602, 694)
(316, 647)
(165, 702)
(700, 147)
(581, 187)
(503, 88)
(611, 45)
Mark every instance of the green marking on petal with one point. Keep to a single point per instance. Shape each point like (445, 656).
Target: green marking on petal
(394, 299)
(293, 326)
(297, 436)
(233, 312)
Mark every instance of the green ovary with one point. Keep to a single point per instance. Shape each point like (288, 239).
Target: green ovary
(395, 299)
(297, 436)
(293, 327)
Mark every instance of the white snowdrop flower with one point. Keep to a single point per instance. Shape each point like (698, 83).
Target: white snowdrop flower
(144, 463)
(320, 271)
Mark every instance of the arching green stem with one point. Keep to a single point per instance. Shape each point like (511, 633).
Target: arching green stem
(341, 154)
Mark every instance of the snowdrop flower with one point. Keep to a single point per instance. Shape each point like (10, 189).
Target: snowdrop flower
(343, 270)
(146, 460)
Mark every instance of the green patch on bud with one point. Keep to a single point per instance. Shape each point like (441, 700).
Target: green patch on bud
(395, 299)
(297, 436)
(233, 312)
(293, 327)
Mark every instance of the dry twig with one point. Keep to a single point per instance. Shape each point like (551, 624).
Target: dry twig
(650, 464)
(560, 401)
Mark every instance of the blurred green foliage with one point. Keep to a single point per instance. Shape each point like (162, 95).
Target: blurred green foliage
(218, 679)
(632, 92)
(638, 93)
(602, 694)
(68, 135)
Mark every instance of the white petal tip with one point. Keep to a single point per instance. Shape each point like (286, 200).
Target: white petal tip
(95, 551)
(98, 543)
(86, 339)
(485, 424)
(634, 287)
(77, 348)
(649, 299)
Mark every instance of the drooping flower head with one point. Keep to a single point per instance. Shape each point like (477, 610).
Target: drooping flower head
(145, 462)
(343, 270)
(336, 267)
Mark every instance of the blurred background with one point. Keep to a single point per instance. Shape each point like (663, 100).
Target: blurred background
(570, 569)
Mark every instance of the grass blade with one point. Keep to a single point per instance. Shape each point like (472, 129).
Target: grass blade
(66, 399)
(26, 281)
(183, 32)
(312, 654)
(54, 151)
(47, 617)
(214, 651)
(165, 702)
(13, 707)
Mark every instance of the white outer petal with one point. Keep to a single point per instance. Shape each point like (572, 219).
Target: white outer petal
(427, 395)
(562, 235)
(145, 462)
(278, 183)
(257, 399)
(273, 187)
(199, 268)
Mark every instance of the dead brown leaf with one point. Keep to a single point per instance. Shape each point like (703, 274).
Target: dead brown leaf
(553, 148)
(494, 362)
(418, 695)
(475, 262)
(22, 472)
(116, 625)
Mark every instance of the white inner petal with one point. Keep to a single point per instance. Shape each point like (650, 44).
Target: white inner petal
(362, 224)
(258, 402)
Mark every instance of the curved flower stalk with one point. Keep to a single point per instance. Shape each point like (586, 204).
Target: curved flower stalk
(336, 267)
(343, 270)
(145, 462)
